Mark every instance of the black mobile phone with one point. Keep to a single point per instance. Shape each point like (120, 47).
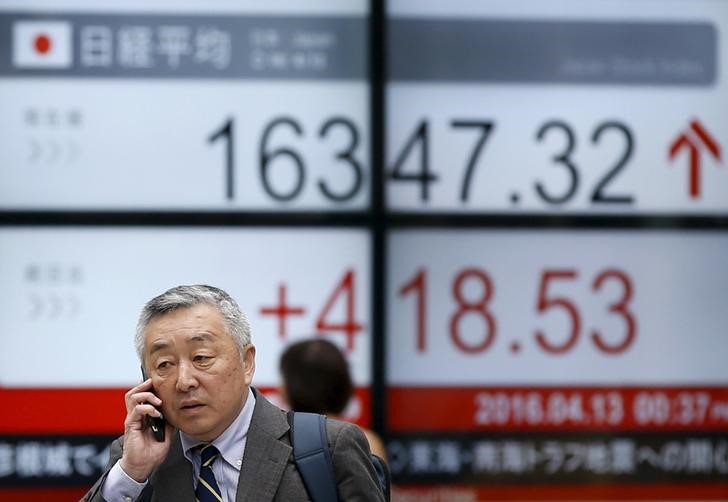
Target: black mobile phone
(155, 423)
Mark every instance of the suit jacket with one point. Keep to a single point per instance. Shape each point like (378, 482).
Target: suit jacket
(268, 472)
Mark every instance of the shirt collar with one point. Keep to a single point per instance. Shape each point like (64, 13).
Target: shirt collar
(231, 443)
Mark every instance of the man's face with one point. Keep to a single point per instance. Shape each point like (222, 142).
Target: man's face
(197, 370)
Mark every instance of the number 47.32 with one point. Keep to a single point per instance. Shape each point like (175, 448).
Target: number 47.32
(419, 145)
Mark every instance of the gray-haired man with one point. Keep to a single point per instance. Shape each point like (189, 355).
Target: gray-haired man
(223, 440)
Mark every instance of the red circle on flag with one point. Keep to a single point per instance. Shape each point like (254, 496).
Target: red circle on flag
(42, 44)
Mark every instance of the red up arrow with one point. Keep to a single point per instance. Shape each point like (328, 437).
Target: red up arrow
(686, 140)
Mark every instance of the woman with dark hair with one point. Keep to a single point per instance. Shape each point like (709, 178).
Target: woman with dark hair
(316, 379)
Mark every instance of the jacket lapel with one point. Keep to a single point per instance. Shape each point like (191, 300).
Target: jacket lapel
(173, 479)
(266, 456)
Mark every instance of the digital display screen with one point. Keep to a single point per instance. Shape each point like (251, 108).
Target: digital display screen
(537, 349)
(74, 289)
(511, 217)
(152, 109)
(589, 107)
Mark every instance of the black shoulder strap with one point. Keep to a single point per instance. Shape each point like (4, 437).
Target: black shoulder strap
(311, 453)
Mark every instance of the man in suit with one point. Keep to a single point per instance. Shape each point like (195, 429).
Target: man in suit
(224, 441)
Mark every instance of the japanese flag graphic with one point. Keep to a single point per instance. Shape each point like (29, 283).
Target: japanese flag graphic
(42, 44)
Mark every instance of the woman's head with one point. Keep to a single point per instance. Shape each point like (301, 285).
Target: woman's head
(316, 377)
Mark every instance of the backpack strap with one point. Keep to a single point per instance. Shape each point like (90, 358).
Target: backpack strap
(311, 453)
(385, 481)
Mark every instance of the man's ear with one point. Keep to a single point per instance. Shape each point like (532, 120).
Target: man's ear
(249, 363)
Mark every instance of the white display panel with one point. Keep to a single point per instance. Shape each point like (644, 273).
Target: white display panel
(223, 109)
(551, 308)
(71, 296)
(541, 107)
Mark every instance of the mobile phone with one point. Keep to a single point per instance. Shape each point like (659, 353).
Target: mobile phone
(156, 424)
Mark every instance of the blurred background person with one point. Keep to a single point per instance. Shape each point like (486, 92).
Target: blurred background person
(316, 379)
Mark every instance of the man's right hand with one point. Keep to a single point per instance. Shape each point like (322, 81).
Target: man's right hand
(142, 452)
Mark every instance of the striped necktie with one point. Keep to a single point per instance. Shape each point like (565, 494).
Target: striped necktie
(207, 488)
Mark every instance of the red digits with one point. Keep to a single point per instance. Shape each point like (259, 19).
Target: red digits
(545, 303)
(621, 308)
(419, 286)
(465, 307)
(350, 327)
